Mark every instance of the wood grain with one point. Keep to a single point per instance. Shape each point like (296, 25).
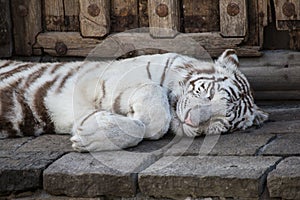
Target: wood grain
(284, 22)
(143, 13)
(124, 15)
(233, 26)
(54, 15)
(201, 16)
(71, 15)
(213, 43)
(167, 26)
(97, 25)
(26, 17)
(5, 30)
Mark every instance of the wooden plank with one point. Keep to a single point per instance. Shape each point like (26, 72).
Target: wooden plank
(71, 15)
(287, 9)
(27, 17)
(124, 15)
(233, 18)
(164, 17)
(287, 14)
(263, 19)
(214, 43)
(75, 44)
(54, 15)
(295, 40)
(5, 30)
(252, 38)
(94, 17)
(143, 13)
(201, 16)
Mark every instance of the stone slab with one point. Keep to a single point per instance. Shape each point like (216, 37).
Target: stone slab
(92, 175)
(283, 145)
(156, 147)
(284, 113)
(284, 181)
(279, 127)
(196, 176)
(239, 143)
(50, 143)
(23, 171)
(8, 146)
(22, 160)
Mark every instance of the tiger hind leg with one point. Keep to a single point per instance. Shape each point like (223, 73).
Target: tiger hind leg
(101, 130)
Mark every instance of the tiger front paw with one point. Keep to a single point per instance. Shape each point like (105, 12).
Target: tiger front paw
(101, 131)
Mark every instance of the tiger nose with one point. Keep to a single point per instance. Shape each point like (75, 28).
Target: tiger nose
(198, 115)
(188, 120)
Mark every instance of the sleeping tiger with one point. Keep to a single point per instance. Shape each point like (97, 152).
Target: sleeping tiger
(115, 104)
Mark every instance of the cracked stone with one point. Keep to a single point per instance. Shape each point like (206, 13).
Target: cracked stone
(92, 175)
(283, 145)
(198, 176)
(284, 181)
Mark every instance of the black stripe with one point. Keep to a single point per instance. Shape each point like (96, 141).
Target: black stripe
(6, 98)
(34, 76)
(233, 93)
(8, 62)
(162, 80)
(18, 69)
(29, 122)
(66, 77)
(40, 107)
(236, 124)
(148, 71)
(116, 108)
(103, 86)
(82, 122)
(56, 67)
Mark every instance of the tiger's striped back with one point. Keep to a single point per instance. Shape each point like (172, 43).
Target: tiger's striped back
(23, 89)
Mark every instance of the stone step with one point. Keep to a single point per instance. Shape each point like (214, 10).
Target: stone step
(209, 176)
(284, 181)
(225, 167)
(23, 160)
(96, 174)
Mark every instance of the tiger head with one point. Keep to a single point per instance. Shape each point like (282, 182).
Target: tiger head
(215, 98)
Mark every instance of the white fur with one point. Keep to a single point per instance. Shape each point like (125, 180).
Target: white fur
(113, 105)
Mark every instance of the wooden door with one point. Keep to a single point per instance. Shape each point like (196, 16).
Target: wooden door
(74, 27)
(288, 18)
(5, 30)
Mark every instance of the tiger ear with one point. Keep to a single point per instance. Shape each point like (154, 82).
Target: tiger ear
(228, 59)
(260, 117)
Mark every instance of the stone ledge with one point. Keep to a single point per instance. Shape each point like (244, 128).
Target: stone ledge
(245, 144)
(23, 161)
(226, 176)
(284, 181)
(283, 145)
(92, 175)
(23, 171)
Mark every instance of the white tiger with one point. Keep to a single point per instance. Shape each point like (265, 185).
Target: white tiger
(113, 105)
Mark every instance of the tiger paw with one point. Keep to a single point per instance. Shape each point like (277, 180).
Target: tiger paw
(100, 131)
